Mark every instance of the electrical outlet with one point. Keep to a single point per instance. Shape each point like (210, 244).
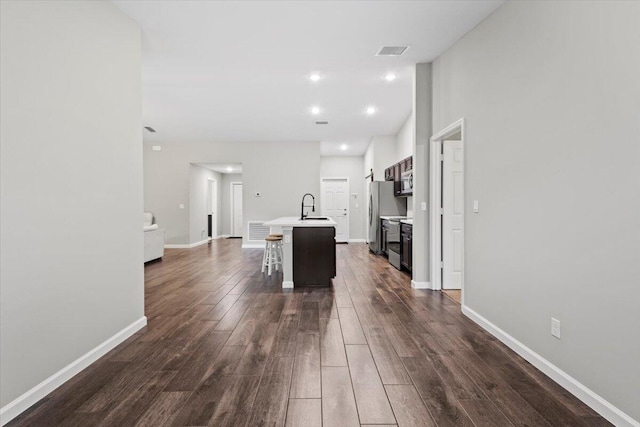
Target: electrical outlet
(287, 238)
(423, 206)
(181, 206)
(555, 328)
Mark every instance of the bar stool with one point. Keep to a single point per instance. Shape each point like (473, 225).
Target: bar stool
(272, 257)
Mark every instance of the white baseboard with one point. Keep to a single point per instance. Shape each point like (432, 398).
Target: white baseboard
(287, 284)
(420, 285)
(579, 390)
(29, 398)
(187, 246)
(357, 241)
(201, 242)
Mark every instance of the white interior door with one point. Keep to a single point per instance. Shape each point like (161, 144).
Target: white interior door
(453, 215)
(335, 205)
(236, 209)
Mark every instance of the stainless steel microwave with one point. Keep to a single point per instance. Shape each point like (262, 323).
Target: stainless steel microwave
(406, 183)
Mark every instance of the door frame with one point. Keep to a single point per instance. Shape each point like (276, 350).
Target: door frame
(232, 200)
(435, 197)
(338, 178)
(213, 195)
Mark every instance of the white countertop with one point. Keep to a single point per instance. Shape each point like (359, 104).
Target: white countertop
(407, 221)
(395, 218)
(295, 221)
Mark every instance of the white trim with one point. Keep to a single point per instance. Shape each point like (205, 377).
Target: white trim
(187, 246)
(420, 285)
(337, 178)
(231, 198)
(287, 284)
(201, 242)
(357, 241)
(579, 390)
(32, 396)
(435, 190)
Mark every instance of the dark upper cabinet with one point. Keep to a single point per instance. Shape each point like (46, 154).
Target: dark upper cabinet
(394, 173)
(397, 177)
(388, 174)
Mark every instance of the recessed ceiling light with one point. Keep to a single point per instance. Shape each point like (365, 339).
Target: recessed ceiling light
(229, 169)
(371, 110)
(390, 77)
(314, 77)
(315, 110)
(344, 147)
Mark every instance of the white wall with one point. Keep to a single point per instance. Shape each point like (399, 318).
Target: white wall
(422, 103)
(199, 202)
(71, 177)
(405, 138)
(381, 153)
(349, 167)
(227, 179)
(282, 172)
(550, 93)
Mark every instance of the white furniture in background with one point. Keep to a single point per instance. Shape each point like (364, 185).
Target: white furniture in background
(153, 239)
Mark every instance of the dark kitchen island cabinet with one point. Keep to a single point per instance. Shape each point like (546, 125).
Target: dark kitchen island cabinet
(314, 255)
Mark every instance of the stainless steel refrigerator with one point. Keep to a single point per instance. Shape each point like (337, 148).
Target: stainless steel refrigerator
(382, 202)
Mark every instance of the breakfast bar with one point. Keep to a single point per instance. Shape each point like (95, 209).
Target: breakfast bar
(308, 250)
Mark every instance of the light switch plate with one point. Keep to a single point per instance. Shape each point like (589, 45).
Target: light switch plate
(475, 206)
(156, 148)
(423, 206)
(555, 328)
(181, 206)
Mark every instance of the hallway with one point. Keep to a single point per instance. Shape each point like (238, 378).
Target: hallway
(225, 346)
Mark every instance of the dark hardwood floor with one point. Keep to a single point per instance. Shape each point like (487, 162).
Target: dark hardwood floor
(225, 346)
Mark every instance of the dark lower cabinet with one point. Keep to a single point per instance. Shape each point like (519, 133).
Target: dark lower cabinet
(406, 246)
(314, 256)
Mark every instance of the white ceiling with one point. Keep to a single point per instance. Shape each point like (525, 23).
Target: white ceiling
(222, 168)
(237, 70)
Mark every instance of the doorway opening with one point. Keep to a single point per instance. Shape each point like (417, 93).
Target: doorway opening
(447, 210)
(334, 203)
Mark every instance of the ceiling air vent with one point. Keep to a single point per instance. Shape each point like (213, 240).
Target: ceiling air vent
(392, 50)
(150, 129)
(322, 122)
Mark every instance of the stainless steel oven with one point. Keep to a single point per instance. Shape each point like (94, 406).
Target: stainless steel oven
(393, 243)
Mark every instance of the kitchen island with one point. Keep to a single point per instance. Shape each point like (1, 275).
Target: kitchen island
(308, 250)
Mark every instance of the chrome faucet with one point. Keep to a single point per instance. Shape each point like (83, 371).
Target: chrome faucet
(313, 206)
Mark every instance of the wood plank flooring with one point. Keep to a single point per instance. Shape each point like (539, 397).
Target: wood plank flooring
(227, 346)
